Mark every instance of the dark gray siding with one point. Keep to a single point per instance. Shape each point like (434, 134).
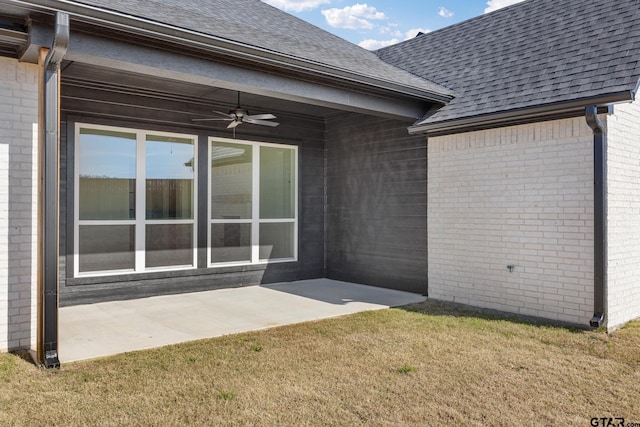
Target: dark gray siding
(376, 203)
(130, 111)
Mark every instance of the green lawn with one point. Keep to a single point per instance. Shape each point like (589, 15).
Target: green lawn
(427, 364)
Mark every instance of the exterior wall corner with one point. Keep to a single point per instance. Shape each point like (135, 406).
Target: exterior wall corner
(623, 215)
(18, 204)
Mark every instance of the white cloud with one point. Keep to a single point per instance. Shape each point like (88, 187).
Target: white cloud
(377, 44)
(414, 32)
(371, 44)
(498, 4)
(391, 31)
(297, 5)
(353, 17)
(445, 13)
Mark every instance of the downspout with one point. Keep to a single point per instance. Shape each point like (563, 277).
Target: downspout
(48, 351)
(599, 214)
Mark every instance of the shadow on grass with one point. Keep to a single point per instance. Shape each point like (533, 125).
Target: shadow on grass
(10, 361)
(457, 310)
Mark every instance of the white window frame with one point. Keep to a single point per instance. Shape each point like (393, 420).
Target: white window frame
(255, 220)
(140, 222)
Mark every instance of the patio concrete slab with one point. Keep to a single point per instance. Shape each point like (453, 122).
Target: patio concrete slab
(103, 329)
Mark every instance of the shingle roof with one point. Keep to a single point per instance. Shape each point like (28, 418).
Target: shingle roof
(534, 53)
(254, 23)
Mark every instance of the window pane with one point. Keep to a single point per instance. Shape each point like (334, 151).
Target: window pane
(107, 171)
(169, 244)
(231, 180)
(106, 247)
(230, 242)
(169, 173)
(169, 199)
(277, 182)
(276, 240)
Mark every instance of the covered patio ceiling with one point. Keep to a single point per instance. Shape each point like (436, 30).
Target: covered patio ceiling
(124, 94)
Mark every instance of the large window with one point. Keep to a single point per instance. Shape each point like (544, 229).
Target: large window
(253, 203)
(135, 200)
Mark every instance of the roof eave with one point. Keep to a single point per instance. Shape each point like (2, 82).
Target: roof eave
(13, 37)
(551, 111)
(219, 45)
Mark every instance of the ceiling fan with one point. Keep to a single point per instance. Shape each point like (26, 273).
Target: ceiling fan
(239, 115)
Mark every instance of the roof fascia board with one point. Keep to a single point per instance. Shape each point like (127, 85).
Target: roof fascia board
(520, 116)
(117, 55)
(157, 30)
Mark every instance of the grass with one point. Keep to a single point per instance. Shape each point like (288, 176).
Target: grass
(405, 369)
(227, 395)
(426, 364)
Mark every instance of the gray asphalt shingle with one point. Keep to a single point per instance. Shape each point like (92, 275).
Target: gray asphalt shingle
(254, 23)
(534, 53)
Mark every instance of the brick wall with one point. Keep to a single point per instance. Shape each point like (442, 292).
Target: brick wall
(18, 203)
(623, 272)
(522, 196)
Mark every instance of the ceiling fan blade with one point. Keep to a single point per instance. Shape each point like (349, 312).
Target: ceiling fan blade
(260, 122)
(210, 119)
(260, 116)
(224, 114)
(233, 124)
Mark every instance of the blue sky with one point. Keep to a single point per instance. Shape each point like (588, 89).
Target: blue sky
(376, 23)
